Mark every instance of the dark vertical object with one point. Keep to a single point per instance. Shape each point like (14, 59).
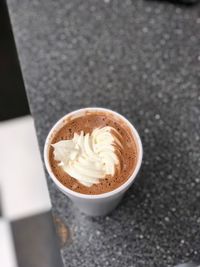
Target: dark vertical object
(13, 101)
(36, 241)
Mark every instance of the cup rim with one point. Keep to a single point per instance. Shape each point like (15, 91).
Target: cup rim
(92, 196)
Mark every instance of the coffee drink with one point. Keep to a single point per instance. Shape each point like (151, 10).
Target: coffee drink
(93, 153)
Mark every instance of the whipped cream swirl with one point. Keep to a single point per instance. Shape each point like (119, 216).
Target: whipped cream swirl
(89, 157)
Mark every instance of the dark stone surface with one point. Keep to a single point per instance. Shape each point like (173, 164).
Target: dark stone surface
(142, 59)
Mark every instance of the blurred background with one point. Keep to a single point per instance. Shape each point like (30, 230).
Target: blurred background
(24, 199)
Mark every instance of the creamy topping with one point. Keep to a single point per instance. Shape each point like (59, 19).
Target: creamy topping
(89, 157)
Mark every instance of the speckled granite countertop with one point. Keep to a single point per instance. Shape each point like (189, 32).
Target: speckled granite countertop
(142, 59)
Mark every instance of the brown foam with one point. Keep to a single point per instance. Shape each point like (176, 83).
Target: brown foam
(87, 123)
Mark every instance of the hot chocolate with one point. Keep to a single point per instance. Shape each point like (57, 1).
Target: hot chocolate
(94, 153)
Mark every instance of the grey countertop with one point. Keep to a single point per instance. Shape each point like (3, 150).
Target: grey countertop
(142, 59)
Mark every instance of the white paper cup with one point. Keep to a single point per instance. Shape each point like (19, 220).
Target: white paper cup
(102, 204)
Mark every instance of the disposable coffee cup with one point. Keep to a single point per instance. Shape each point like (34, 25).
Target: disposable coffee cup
(101, 204)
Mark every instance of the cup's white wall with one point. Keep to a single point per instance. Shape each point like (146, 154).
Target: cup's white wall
(96, 207)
